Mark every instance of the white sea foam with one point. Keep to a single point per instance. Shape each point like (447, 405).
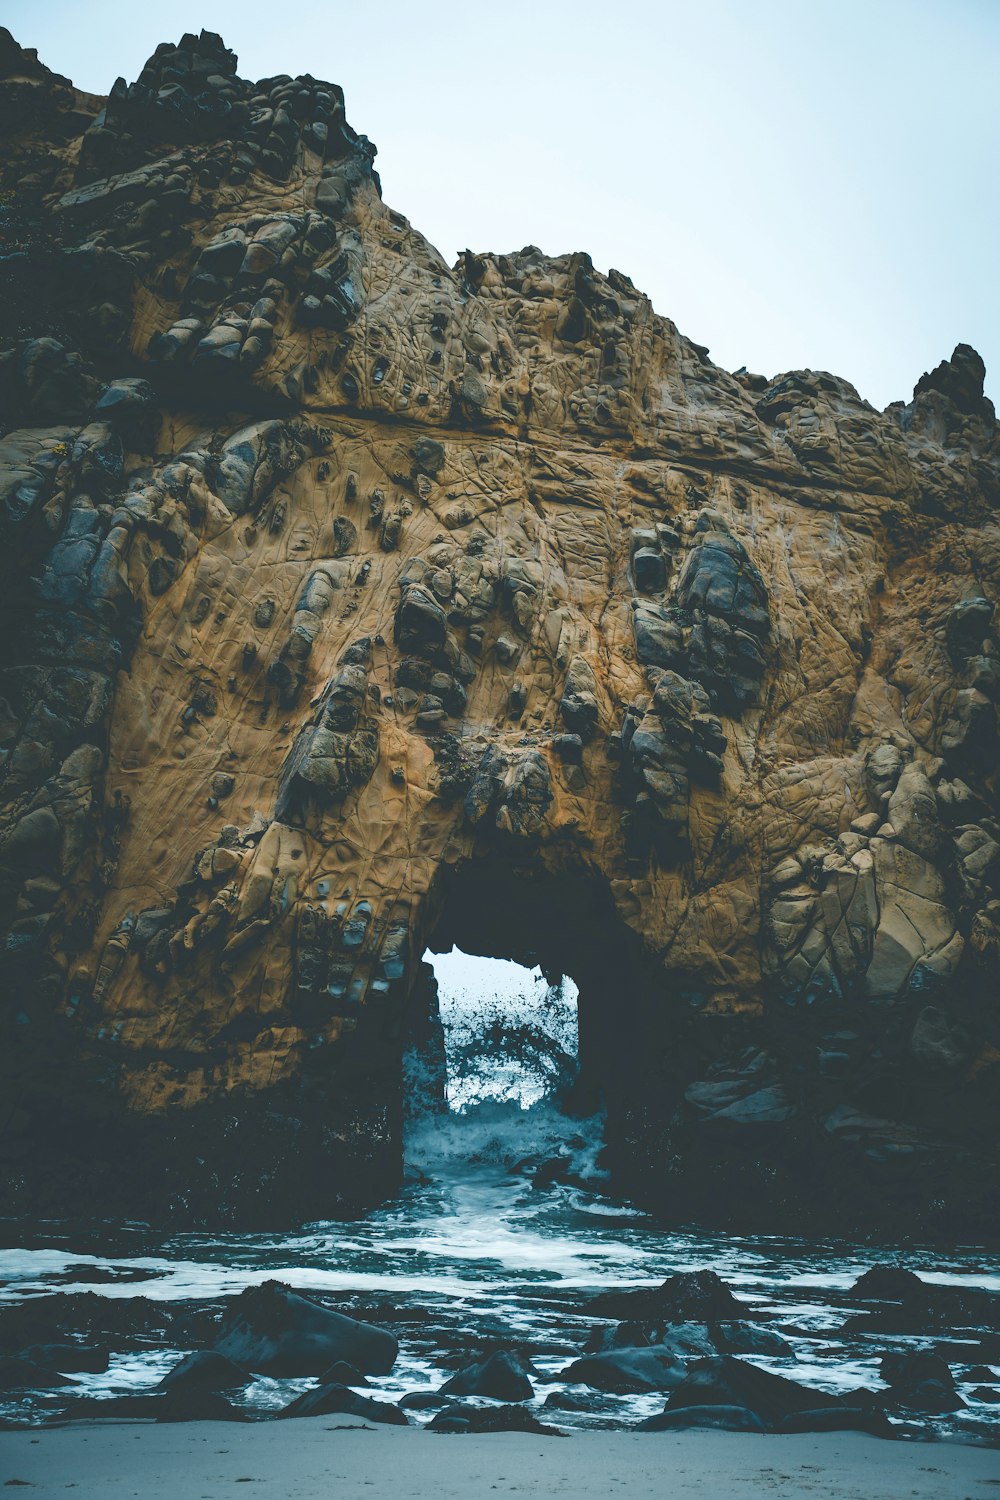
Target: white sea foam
(472, 1246)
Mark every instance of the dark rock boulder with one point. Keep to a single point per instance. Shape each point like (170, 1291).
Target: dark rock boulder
(326, 1400)
(341, 1373)
(649, 570)
(116, 1321)
(720, 578)
(727, 1381)
(576, 1401)
(526, 795)
(900, 1303)
(275, 1331)
(489, 1419)
(428, 456)
(887, 1284)
(422, 1401)
(659, 639)
(68, 1359)
(190, 1405)
(721, 1418)
(502, 1376)
(196, 1405)
(683, 1340)
(689, 1297)
(205, 1370)
(631, 1335)
(928, 1396)
(748, 1338)
(836, 1419)
(621, 1371)
(913, 1366)
(920, 1381)
(24, 1375)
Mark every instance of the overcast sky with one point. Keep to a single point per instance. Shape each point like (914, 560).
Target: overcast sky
(794, 182)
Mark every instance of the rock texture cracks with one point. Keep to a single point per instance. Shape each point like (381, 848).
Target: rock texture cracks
(355, 602)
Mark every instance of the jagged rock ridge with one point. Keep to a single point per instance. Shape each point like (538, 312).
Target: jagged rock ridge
(356, 602)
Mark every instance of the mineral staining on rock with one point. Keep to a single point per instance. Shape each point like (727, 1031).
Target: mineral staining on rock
(341, 584)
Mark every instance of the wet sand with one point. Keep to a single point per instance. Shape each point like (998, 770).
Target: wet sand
(319, 1457)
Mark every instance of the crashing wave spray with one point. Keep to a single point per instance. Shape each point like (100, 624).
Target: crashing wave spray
(510, 1040)
(509, 1034)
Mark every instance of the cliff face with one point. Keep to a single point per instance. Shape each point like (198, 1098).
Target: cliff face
(354, 602)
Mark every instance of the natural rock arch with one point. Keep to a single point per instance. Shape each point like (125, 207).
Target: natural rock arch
(337, 577)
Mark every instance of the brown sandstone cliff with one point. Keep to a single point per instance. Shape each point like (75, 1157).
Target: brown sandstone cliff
(354, 602)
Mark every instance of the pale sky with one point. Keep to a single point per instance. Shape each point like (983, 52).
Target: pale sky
(465, 978)
(795, 182)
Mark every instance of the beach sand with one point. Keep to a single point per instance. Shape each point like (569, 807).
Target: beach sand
(323, 1458)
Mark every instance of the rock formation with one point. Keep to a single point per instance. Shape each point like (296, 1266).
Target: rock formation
(356, 603)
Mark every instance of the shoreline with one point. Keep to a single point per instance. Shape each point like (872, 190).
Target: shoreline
(319, 1456)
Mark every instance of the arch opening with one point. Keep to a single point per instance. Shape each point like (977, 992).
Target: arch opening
(531, 998)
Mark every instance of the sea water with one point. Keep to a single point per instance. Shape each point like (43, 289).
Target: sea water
(472, 1252)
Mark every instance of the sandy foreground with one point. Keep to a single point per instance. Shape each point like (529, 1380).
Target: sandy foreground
(318, 1457)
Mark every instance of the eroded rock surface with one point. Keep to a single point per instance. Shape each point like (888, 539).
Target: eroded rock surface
(355, 602)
